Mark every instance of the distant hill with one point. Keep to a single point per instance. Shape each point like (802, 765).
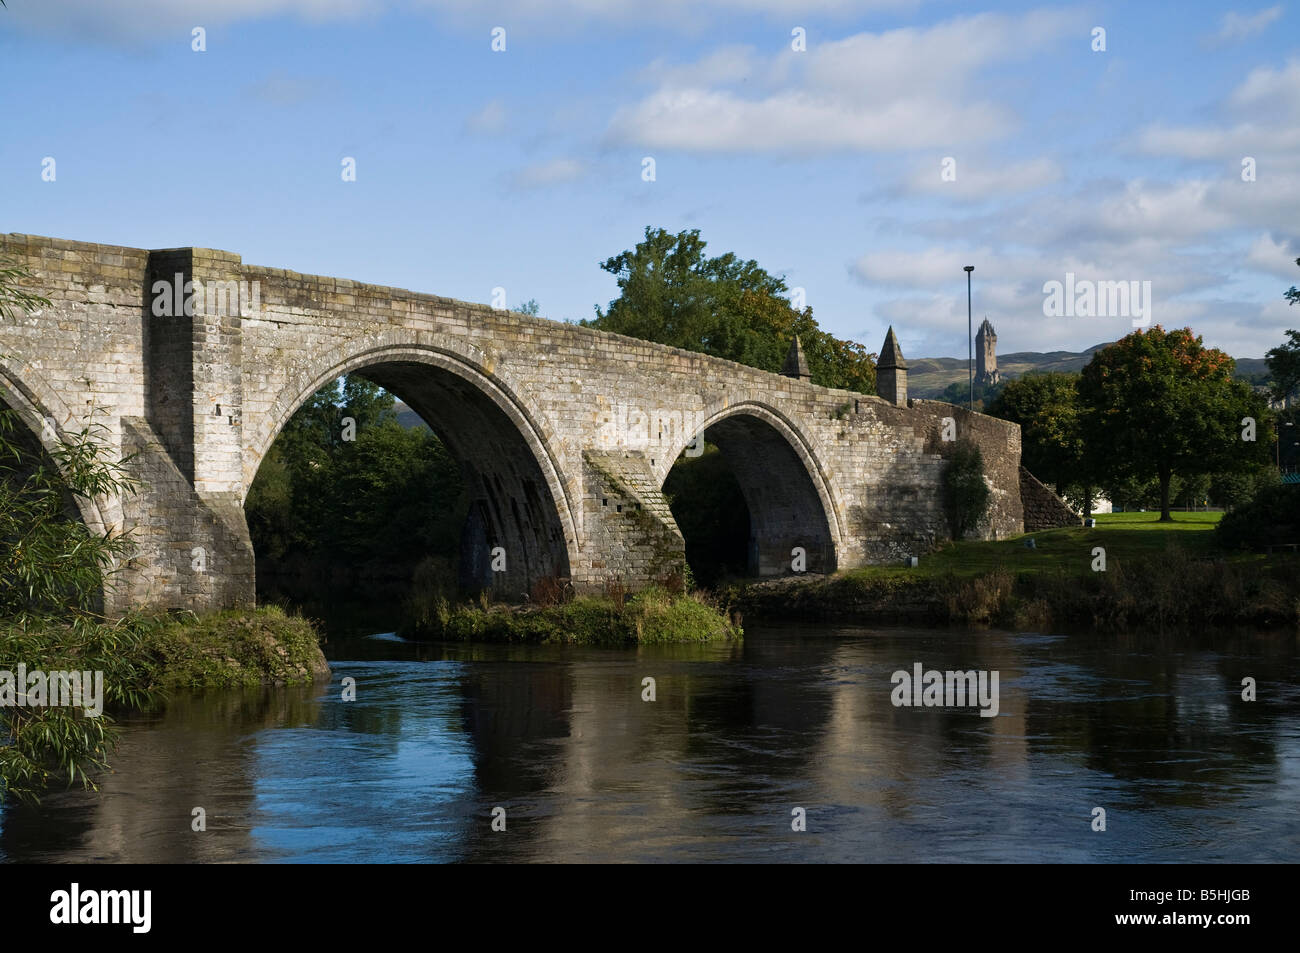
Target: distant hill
(927, 377)
(408, 418)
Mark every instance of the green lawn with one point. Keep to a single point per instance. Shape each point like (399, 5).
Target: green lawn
(1149, 520)
(1122, 535)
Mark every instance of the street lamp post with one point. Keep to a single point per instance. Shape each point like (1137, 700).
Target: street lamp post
(970, 347)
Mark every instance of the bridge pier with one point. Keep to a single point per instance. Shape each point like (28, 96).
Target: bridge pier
(191, 539)
(631, 534)
(191, 550)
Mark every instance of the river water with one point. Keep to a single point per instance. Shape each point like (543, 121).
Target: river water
(1152, 730)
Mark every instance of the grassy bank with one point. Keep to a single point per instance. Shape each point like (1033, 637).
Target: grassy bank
(235, 649)
(136, 661)
(161, 653)
(1156, 575)
(648, 617)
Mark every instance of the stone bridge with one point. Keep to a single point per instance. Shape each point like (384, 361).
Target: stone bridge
(193, 361)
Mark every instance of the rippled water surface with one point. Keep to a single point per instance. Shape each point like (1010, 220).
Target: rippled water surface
(1154, 731)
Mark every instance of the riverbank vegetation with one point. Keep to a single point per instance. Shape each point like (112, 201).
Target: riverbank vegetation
(238, 648)
(1155, 574)
(66, 669)
(615, 617)
(137, 661)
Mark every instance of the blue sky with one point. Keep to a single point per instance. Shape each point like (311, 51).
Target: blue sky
(522, 169)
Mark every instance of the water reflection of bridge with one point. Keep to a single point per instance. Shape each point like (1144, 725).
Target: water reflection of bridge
(736, 738)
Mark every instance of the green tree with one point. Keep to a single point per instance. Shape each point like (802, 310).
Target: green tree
(386, 498)
(1284, 361)
(284, 508)
(1272, 517)
(1293, 295)
(1284, 366)
(1159, 403)
(53, 570)
(672, 293)
(393, 495)
(959, 393)
(269, 508)
(1046, 406)
(1231, 490)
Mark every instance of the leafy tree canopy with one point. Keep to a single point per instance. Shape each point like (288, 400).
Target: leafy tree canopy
(1046, 406)
(1284, 366)
(372, 493)
(672, 293)
(1284, 360)
(1160, 402)
(965, 494)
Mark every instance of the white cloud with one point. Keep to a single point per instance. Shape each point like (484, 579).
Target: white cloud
(729, 64)
(488, 121)
(664, 12)
(922, 289)
(137, 20)
(934, 325)
(1181, 210)
(797, 122)
(1261, 116)
(1277, 258)
(552, 172)
(1235, 26)
(1272, 89)
(900, 89)
(979, 179)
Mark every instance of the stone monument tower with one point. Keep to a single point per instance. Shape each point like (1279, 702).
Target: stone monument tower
(986, 355)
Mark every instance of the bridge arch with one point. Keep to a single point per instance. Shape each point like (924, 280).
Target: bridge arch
(791, 499)
(519, 498)
(35, 403)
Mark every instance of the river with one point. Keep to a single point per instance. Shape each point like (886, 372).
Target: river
(1152, 730)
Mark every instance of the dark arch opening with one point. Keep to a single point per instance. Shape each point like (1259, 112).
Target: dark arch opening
(747, 504)
(444, 500)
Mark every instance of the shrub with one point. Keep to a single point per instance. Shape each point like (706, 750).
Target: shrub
(41, 745)
(1273, 516)
(551, 590)
(53, 570)
(981, 600)
(51, 565)
(433, 587)
(965, 494)
(616, 592)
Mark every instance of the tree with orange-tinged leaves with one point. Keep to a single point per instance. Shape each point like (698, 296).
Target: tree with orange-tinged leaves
(1159, 403)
